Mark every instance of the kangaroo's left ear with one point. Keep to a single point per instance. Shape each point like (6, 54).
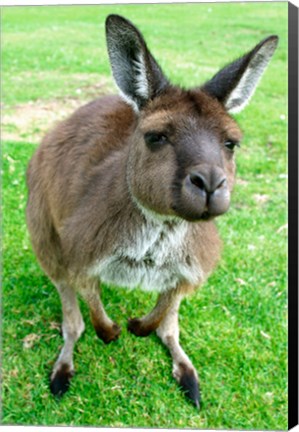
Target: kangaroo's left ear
(235, 83)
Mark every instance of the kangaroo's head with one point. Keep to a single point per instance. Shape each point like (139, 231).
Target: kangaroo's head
(181, 159)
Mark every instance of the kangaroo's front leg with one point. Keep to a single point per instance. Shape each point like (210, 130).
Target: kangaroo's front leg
(164, 319)
(105, 328)
(149, 323)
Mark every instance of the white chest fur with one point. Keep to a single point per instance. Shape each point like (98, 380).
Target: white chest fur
(153, 257)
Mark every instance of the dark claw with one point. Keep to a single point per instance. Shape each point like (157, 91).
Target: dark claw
(108, 334)
(190, 385)
(135, 327)
(61, 381)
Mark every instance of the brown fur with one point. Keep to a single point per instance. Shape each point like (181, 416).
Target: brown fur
(115, 190)
(82, 161)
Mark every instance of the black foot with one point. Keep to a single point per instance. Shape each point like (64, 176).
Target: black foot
(61, 380)
(189, 384)
(136, 327)
(107, 334)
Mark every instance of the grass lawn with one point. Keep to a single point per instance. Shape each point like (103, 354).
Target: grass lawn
(235, 327)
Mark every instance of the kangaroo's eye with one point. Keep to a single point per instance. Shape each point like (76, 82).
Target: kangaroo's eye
(230, 144)
(155, 139)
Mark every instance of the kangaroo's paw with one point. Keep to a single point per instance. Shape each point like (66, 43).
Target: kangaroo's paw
(186, 377)
(108, 333)
(61, 379)
(137, 327)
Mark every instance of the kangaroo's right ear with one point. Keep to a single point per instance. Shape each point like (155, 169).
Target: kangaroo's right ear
(136, 72)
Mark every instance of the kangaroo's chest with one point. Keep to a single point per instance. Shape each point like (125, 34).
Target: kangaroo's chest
(154, 258)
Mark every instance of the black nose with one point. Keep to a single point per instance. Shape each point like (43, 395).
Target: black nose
(207, 183)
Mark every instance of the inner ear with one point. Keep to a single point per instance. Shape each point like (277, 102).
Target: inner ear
(235, 84)
(136, 72)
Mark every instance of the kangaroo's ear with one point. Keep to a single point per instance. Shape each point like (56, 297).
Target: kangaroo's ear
(136, 72)
(235, 84)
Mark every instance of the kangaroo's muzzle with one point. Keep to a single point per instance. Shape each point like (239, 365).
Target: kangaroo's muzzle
(204, 193)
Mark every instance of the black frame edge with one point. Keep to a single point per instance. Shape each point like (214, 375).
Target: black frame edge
(293, 215)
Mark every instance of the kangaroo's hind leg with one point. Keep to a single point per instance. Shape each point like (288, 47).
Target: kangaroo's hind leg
(164, 319)
(183, 370)
(72, 328)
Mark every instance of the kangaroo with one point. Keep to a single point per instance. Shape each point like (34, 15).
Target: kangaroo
(126, 190)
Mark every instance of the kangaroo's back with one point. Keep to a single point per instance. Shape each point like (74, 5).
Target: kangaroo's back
(62, 166)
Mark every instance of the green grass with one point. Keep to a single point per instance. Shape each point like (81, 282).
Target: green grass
(235, 327)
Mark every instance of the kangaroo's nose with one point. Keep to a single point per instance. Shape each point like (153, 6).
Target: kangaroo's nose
(205, 192)
(208, 182)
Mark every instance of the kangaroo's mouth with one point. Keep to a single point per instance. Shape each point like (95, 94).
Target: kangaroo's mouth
(206, 216)
(192, 216)
(194, 204)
